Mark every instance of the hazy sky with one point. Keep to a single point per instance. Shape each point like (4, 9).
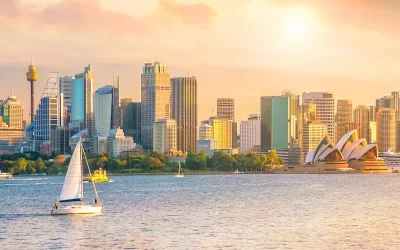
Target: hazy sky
(236, 48)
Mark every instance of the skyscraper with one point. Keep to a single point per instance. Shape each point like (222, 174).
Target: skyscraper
(132, 124)
(103, 107)
(313, 133)
(275, 123)
(47, 118)
(386, 132)
(391, 101)
(226, 108)
(184, 112)
(250, 133)
(307, 113)
(123, 109)
(361, 116)
(344, 116)
(222, 130)
(156, 94)
(206, 132)
(164, 135)
(372, 113)
(325, 103)
(226, 111)
(65, 87)
(12, 112)
(82, 99)
(115, 114)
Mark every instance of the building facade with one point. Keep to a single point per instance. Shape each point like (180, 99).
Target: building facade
(12, 112)
(65, 87)
(118, 142)
(132, 124)
(103, 104)
(48, 117)
(209, 146)
(275, 122)
(10, 139)
(372, 132)
(222, 133)
(155, 96)
(313, 133)
(60, 140)
(164, 135)
(344, 115)
(386, 128)
(184, 112)
(325, 104)
(226, 108)
(206, 132)
(250, 133)
(115, 111)
(307, 113)
(82, 110)
(361, 117)
(123, 109)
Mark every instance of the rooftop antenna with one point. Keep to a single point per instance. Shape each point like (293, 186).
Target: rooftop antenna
(12, 89)
(155, 56)
(212, 112)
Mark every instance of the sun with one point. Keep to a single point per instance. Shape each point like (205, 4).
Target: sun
(296, 22)
(295, 25)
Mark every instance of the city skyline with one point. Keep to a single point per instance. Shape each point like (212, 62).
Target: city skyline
(305, 44)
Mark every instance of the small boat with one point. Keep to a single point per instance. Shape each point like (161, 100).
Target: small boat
(99, 175)
(72, 190)
(180, 173)
(4, 176)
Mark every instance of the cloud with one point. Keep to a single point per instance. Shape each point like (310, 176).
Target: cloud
(75, 16)
(10, 8)
(196, 14)
(374, 15)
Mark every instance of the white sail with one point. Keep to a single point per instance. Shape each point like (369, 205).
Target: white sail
(72, 188)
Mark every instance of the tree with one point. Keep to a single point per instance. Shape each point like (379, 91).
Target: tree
(203, 160)
(30, 167)
(19, 166)
(192, 161)
(152, 163)
(102, 162)
(40, 165)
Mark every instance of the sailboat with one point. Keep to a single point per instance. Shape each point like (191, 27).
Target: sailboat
(180, 174)
(72, 190)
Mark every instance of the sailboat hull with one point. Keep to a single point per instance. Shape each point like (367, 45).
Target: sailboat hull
(179, 176)
(77, 209)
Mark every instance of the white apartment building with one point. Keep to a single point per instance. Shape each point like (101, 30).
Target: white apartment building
(118, 142)
(164, 136)
(250, 133)
(313, 133)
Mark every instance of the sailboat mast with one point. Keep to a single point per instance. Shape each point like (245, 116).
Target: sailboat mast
(93, 185)
(81, 150)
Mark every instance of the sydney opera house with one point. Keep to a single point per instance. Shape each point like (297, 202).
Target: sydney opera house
(348, 154)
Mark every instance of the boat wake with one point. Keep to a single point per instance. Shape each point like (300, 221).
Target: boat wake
(29, 179)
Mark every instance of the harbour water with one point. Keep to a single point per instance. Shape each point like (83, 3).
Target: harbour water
(302, 211)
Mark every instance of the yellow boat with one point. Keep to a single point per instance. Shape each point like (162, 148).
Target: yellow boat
(99, 175)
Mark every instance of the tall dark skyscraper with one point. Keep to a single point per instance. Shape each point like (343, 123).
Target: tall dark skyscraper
(115, 119)
(132, 124)
(184, 112)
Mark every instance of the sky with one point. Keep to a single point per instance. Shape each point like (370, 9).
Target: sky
(236, 48)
